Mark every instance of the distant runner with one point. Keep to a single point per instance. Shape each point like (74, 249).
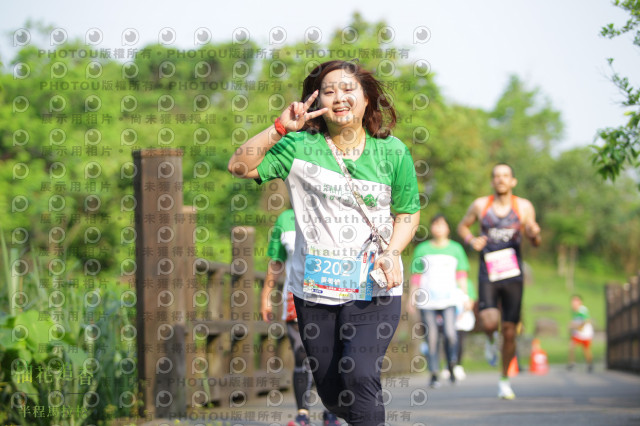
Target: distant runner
(581, 332)
(439, 269)
(504, 219)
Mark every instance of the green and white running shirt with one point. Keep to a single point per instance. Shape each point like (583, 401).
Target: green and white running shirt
(438, 268)
(325, 209)
(582, 317)
(281, 248)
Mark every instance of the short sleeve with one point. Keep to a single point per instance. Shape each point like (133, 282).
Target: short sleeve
(583, 312)
(276, 250)
(404, 188)
(418, 263)
(278, 160)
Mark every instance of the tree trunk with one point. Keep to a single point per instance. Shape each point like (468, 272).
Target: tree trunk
(571, 267)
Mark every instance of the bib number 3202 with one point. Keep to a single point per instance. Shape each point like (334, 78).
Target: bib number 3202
(328, 273)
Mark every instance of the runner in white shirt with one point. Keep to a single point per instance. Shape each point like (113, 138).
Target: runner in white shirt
(440, 267)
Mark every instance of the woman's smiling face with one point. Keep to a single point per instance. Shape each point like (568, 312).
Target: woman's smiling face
(342, 94)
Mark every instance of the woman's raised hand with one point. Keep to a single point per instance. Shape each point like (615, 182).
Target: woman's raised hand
(296, 114)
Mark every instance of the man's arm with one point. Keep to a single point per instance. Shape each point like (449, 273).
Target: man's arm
(531, 227)
(472, 215)
(274, 271)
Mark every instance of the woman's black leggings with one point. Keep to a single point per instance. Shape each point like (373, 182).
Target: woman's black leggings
(345, 345)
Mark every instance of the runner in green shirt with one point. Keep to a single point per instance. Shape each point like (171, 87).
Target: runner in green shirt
(581, 332)
(346, 320)
(440, 268)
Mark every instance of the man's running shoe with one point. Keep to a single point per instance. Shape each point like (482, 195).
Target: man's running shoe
(504, 390)
(458, 371)
(300, 420)
(434, 383)
(330, 419)
(491, 350)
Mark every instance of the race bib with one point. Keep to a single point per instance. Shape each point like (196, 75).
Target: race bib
(339, 273)
(502, 264)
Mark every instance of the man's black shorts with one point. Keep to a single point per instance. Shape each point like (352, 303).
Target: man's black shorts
(506, 294)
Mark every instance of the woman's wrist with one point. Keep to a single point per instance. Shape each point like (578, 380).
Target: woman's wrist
(280, 129)
(468, 239)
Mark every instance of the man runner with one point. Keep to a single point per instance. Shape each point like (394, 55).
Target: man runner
(504, 219)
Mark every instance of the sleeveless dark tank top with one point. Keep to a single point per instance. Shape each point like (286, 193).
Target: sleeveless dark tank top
(502, 233)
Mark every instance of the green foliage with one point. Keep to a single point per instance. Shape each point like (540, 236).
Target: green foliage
(621, 145)
(58, 344)
(573, 206)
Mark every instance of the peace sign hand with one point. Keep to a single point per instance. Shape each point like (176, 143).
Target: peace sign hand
(294, 117)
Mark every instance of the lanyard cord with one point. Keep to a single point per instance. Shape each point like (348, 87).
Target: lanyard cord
(363, 207)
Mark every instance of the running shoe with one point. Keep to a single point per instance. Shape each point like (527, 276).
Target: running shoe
(330, 419)
(458, 371)
(491, 351)
(504, 390)
(445, 374)
(301, 420)
(434, 383)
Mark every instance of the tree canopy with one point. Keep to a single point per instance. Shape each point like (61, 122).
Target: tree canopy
(621, 145)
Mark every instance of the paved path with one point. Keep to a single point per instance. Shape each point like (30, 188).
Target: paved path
(558, 398)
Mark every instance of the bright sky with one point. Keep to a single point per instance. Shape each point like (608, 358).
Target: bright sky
(474, 45)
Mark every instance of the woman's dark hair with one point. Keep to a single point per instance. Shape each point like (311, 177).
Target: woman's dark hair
(379, 115)
(439, 216)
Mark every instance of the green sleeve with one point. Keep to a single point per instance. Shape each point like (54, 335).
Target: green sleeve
(276, 250)
(278, 160)
(583, 313)
(404, 188)
(417, 264)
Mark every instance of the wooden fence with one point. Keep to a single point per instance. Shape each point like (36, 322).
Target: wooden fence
(200, 338)
(623, 326)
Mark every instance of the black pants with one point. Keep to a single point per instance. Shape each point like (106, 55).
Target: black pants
(345, 345)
